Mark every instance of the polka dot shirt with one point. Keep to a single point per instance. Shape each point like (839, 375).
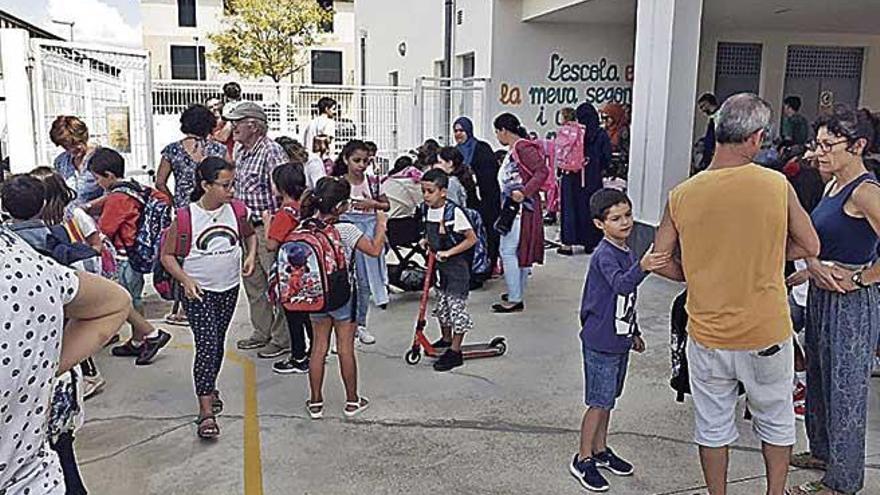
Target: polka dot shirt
(33, 291)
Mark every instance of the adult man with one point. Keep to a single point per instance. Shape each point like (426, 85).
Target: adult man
(734, 225)
(795, 127)
(323, 124)
(255, 157)
(708, 104)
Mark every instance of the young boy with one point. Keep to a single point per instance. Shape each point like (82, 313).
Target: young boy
(452, 241)
(609, 332)
(118, 222)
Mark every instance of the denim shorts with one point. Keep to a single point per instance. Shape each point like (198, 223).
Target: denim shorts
(604, 374)
(344, 314)
(798, 315)
(132, 281)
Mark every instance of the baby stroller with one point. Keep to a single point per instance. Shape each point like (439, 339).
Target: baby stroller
(408, 272)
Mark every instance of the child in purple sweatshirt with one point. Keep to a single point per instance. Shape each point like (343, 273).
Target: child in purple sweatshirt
(609, 331)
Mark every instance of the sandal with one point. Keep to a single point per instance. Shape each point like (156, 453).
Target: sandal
(207, 431)
(806, 460)
(217, 405)
(812, 488)
(176, 320)
(359, 406)
(315, 409)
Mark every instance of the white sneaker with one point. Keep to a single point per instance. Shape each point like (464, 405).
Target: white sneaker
(92, 385)
(365, 336)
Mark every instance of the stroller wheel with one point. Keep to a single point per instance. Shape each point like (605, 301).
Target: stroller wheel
(499, 344)
(413, 356)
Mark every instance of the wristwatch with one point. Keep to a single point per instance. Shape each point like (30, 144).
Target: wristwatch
(857, 279)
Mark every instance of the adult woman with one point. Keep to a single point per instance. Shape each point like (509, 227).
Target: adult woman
(843, 308)
(222, 132)
(181, 158)
(480, 157)
(616, 117)
(72, 134)
(520, 179)
(575, 189)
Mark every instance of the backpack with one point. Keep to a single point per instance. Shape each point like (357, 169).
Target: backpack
(570, 147)
(310, 273)
(678, 336)
(109, 266)
(547, 149)
(166, 286)
(155, 217)
(56, 244)
(479, 254)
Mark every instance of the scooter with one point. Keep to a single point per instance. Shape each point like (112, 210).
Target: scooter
(421, 345)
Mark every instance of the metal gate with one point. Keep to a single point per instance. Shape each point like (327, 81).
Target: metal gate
(823, 76)
(439, 101)
(107, 87)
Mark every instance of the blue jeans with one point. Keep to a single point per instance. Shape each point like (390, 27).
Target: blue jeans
(604, 374)
(515, 277)
(133, 281)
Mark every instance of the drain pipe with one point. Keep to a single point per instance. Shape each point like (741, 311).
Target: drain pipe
(447, 70)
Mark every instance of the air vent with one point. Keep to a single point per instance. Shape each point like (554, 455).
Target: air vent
(838, 62)
(738, 59)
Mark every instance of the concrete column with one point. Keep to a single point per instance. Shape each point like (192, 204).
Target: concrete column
(14, 45)
(664, 94)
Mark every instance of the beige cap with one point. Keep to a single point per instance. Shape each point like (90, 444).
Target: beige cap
(244, 110)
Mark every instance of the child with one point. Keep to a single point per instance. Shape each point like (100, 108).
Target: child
(462, 188)
(366, 200)
(452, 243)
(118, 222)
(609, 331)
(289, 182)
(327, 203)
(211, 276)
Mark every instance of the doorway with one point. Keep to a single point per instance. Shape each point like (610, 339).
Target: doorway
(823, 76)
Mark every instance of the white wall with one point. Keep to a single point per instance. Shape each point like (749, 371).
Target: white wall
(161, 30)
(775, 49)
(522, 65)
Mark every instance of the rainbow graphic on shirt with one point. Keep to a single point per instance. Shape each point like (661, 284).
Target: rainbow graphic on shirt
(216, 237)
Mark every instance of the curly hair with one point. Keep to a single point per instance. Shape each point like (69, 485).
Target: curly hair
(198, 120)
(843, 121)
(68, 130)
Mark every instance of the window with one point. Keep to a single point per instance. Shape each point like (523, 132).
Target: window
(326, 67)
(468, 65)
(737, 68)
(186, 13)
(394, 78)
(184, 63)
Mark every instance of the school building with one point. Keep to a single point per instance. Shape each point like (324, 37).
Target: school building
(538, 56)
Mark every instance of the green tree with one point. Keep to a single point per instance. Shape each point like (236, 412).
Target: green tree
(268, 37)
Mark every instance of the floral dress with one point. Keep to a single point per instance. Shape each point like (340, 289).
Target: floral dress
(184, 167)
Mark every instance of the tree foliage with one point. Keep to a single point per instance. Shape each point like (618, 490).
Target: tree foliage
(268, 37)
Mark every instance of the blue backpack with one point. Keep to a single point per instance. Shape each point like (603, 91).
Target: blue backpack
(154, 219)
(480, 264)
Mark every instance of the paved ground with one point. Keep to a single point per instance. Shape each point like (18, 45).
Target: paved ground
(500, 426)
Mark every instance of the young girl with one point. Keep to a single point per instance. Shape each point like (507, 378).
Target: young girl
(211, 275)
(289, 182)
(366, 200)
(327, 203)
(462, 188)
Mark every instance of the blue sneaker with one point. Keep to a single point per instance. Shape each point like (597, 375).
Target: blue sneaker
(610, 461)
(589, 476)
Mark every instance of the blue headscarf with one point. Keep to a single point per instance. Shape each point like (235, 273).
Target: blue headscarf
(468, 147)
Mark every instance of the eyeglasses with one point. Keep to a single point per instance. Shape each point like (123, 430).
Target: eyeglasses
(824, 146)
(236, 123)
(225, 185)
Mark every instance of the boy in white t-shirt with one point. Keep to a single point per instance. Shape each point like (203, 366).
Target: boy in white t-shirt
(324, 123)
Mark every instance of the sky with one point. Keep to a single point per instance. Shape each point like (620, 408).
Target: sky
(116, 22)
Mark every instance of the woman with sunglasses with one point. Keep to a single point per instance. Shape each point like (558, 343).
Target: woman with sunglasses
(843, 308)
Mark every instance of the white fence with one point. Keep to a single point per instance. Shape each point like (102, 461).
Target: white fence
(438, 101)
(372, 113)
(107, 87)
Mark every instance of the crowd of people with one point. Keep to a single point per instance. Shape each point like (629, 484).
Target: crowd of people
(306, 235)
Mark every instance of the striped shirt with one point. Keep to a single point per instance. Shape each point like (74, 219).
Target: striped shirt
(253, 174)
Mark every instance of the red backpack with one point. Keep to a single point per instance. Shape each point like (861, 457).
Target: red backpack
(166, 286)
(310, 274)
(547, 149)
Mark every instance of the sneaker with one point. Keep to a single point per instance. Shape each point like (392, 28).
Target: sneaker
(92, 385)
(289, 366)
(365, 336)
(441, 344)
(587, 474)
(800, 411)
(272, 351)
(333, 349)
(251, 343)
(151, 347)
(128, 349)
(800, 392)
(450, 359)
(610, 461)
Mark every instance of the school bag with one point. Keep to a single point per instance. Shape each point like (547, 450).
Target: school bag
(155, 217)
(311, 273)
(678, 336)
(570, 149)
(54, 242)
(109, 268)
(167, 286)
(477, 255)
(547, 150)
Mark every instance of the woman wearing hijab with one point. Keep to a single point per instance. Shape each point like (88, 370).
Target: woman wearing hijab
(480, 157)
(577, 223)
(617, 127)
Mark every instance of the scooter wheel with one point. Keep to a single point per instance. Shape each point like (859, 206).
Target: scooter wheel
(413, 357)
(499, 344)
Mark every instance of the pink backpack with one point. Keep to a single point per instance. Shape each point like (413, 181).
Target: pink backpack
(570, 147)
